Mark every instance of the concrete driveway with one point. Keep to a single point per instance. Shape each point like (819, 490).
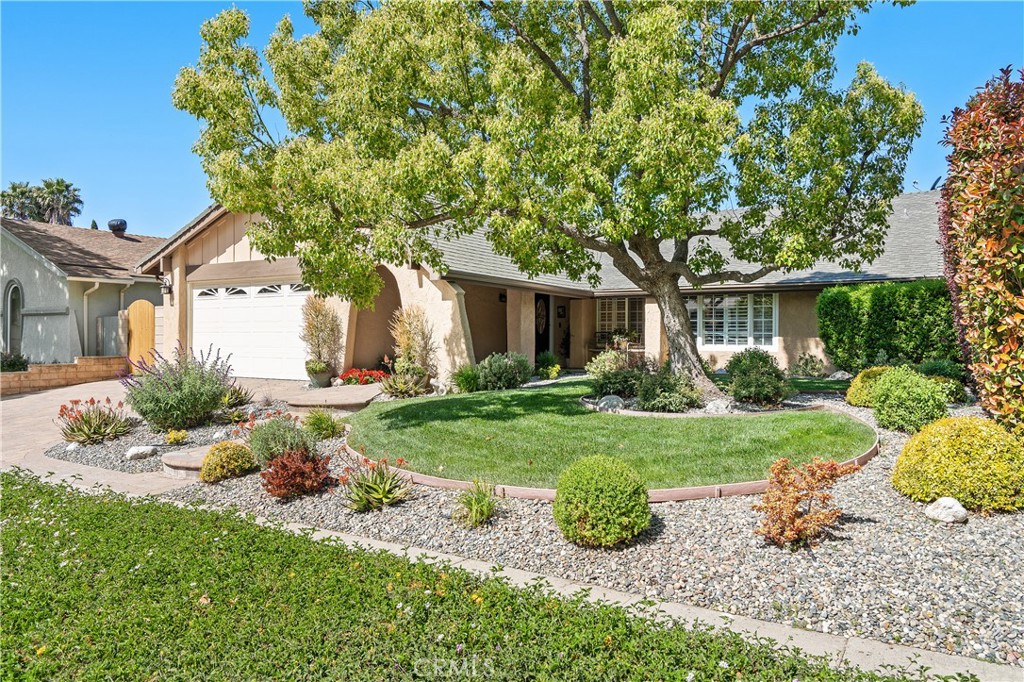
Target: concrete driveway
(27, 428)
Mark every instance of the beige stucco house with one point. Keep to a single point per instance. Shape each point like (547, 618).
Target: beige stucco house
(225, 294)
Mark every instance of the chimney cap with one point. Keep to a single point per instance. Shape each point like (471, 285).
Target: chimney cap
(118, 226)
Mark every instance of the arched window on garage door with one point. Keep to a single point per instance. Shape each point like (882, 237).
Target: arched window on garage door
(14, 303)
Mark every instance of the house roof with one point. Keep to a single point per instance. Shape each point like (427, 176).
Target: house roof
(911, 252)
(81, 252)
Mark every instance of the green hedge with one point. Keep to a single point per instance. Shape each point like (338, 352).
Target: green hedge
(867, 324)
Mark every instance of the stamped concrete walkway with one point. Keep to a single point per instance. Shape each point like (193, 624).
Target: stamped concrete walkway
(27, 428)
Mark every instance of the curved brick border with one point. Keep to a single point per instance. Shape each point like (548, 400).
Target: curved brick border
(696, 415)
(655, 495)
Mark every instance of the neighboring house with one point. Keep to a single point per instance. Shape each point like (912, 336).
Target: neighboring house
(64, 286)
(225, 295)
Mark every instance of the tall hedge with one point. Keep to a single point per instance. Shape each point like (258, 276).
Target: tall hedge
(982, 232)
(866, 324)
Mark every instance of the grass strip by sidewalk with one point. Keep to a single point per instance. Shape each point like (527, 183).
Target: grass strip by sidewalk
(102, 587)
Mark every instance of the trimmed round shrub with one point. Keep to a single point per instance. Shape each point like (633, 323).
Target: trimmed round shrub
(276, 436)
(500, 371)
(755, 377)
(906, 401)
(600, 502)
(859, 392)
(971, 459)
(224, 460)
(942, 368)
(951, 388)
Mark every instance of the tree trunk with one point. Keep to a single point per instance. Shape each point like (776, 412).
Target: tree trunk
(682, 348)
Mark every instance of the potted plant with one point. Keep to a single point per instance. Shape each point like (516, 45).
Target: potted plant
(319, 373)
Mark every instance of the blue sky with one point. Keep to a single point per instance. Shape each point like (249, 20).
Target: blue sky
(85, 90)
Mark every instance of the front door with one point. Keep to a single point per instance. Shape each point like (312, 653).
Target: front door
(542, 322)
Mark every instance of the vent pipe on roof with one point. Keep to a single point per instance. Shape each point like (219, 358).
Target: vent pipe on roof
(118, 226)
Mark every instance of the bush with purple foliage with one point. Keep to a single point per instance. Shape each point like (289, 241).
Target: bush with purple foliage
(178, 393)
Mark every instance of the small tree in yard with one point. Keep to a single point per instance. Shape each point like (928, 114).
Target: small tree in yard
(574, 135)
(982, 230)
(321, 331)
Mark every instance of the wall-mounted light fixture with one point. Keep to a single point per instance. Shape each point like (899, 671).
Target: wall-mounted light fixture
(165, 285)
(502, 298)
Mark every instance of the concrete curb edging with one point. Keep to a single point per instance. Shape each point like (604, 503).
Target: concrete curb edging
(840, 650)
(654, 495)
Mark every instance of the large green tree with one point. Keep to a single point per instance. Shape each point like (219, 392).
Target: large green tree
(566, 131)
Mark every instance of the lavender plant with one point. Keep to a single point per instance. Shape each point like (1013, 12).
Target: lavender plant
(178, 393)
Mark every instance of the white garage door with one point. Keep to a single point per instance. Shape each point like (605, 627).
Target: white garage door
(258, 325)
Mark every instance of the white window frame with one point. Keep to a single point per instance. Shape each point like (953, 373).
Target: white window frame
(699, 331)
(627, 309)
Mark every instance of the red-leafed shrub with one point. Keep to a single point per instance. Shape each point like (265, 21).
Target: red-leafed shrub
(982, 232)
(797, 506)
(363, 376)
(296, 473)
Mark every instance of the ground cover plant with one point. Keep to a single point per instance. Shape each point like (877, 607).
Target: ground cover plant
(98, 587)
(179, 392)
(529, 436)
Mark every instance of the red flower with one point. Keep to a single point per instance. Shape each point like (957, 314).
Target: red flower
(400, 462)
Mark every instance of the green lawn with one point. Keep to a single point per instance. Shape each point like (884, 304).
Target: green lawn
(801, 384)
(97, 587)
(529, 436)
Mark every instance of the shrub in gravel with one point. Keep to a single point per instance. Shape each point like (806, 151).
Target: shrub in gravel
(860, 392)
(92, 421)
(665, 391)
(601, 501)
(500, 371)
(296, 473)
(614, 372)
(321, 424)
(224, 460)
(373, 484)
(797, 506)
(276, 436)
(237, 396)
(906, 401)
(755, 378)
(467, 378)
(942, 368)
(176, 437)
(971, 459)
(178, 393)
(952, 389)
(475, 507)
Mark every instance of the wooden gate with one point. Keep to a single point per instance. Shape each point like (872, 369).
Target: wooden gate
(141, 330)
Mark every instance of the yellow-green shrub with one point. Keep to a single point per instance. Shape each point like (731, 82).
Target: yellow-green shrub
(906, 401)
(226, 459)
(176, 437)
(859, 393)
(952, 389)
(971, 459)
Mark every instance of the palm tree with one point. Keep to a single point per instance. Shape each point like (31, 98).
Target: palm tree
(21, 200)
(60, 201)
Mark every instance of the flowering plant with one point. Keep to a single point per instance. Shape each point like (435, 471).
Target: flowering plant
(363, 376)
(91, 421)
(373, 484)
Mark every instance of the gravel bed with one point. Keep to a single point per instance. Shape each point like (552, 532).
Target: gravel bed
(888, 573)
(110, 454)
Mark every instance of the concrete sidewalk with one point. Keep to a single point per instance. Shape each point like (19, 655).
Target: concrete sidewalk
(27, 429)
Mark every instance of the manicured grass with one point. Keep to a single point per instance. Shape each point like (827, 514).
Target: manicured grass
(97, 587)
(529, 436)
(801, 384)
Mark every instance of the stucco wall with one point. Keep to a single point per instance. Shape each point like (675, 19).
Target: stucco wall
(46, 320)
(370, 337)
(487, 319)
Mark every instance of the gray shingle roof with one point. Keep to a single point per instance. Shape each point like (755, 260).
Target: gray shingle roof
(911, 252)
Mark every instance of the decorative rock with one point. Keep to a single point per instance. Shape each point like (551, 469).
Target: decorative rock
(946, 510)
(611, 402)
(720, 406)
(140, 452)
(840, 376)
(219, 436)
(72, 447)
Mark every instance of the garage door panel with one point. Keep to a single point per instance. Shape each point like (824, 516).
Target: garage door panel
(259, 330)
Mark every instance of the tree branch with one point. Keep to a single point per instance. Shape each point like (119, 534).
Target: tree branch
(598, 21)
(581, 35)
(537, 49)
(613, 19)
(735, 276)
